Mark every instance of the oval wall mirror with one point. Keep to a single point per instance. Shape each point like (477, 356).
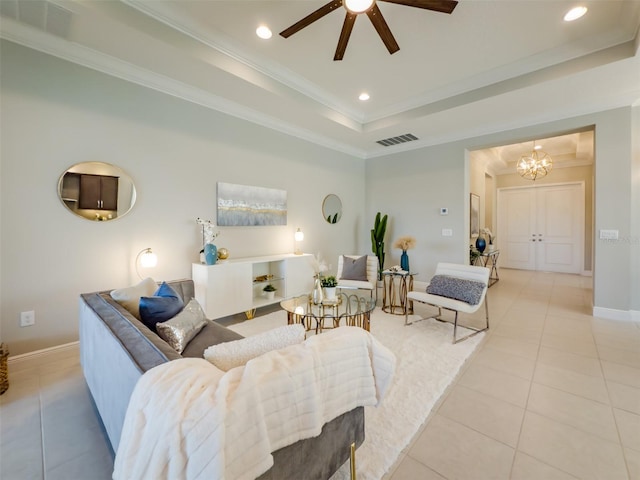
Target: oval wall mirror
(97, 191)
(332, 208)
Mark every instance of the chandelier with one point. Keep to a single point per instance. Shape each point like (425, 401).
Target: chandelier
(535, 165)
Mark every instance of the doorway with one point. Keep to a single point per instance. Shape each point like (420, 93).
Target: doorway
(493, 169)
(542, 227)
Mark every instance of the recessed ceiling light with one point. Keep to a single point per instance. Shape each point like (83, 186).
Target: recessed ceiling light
(575, 13)
(263, 32)
(537, 147)
(364, 96)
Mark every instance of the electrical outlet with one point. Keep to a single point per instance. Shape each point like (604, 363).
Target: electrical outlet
(447, 232)
(27, 318)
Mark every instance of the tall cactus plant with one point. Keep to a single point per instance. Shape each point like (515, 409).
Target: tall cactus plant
(377, 241)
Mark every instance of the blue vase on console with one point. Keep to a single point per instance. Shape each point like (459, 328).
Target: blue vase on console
(481, 244)
(404, 261)
(210, 253)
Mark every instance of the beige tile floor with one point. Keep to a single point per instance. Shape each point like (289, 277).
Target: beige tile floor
(552, 393)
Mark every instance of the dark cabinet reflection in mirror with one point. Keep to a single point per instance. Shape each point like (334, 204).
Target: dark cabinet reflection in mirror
(332, 208)
(96, 191)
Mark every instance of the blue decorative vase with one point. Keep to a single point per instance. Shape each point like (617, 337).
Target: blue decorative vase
(481, 244)
(404, 261)
(210, 254)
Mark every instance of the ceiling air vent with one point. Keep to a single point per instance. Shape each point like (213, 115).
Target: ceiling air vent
(407, 137)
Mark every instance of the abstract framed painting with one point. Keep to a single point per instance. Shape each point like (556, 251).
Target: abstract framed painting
(474, 216)
(243, 205)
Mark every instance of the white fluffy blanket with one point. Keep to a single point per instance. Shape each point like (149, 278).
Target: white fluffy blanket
(189, 420)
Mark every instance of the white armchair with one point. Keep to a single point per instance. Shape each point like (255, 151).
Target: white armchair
(462, 272)
(371, 274)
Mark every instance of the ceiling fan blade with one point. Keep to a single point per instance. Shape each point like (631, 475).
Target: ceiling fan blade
(443, 6)
(312, 17)
(347, 26)
(375, 15)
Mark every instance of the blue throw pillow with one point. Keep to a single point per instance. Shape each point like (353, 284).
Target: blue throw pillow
(162, 306)
(468, 291)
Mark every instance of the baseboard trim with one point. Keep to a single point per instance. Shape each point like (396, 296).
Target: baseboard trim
(613, 314)
(39, 353)
(587, 273)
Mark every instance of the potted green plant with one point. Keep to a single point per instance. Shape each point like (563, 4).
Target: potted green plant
(269, 291)
(329, 284)
(377, 241)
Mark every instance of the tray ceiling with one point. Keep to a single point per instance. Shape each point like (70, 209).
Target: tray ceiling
(489, 66)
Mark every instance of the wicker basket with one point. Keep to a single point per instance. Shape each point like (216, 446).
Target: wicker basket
(4, 371)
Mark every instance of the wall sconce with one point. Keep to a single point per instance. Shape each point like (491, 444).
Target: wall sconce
(299, 237)
(146, 259)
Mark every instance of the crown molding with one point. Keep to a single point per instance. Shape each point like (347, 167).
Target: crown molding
(232, 50)
(41, 41)
(76, 53)
(472, 134)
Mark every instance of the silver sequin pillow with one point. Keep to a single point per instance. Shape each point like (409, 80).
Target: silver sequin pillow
(181, 329)
(468, 291)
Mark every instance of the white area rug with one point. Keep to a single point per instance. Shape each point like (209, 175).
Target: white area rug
(427, 363)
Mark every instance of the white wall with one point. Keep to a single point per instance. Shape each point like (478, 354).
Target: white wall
(634, 234)
(412, 186)
(55, 114)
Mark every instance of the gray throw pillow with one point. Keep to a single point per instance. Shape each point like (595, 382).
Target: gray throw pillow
(354, 268)
(468, 291)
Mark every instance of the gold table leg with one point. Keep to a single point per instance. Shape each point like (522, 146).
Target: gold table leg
(353, 461)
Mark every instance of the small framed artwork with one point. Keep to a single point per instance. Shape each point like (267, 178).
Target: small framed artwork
(474, 216)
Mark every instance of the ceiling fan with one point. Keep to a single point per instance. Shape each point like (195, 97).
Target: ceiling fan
(356, 7)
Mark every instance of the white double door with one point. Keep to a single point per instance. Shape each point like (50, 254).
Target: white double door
(542, 228)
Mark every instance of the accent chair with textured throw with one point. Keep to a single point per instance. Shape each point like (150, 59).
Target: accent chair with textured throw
(457, 288)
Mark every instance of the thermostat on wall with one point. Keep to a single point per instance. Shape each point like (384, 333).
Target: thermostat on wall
(444, 211)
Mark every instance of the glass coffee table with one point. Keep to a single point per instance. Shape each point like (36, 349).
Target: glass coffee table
(354, 310)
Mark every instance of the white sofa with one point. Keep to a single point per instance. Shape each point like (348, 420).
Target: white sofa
(116, 350)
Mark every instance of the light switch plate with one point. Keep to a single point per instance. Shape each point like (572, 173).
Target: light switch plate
(609, 234)
(447, 232)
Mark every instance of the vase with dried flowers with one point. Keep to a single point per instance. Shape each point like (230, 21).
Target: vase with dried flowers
(319, 267)
(209, 234)
(405, 243)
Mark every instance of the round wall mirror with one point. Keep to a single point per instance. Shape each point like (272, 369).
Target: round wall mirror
(332, 208)
(96, 191)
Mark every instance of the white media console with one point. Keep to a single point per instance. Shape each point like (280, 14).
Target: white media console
(230, 287)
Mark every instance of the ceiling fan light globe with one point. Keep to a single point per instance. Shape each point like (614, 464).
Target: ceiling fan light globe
(358, 6)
